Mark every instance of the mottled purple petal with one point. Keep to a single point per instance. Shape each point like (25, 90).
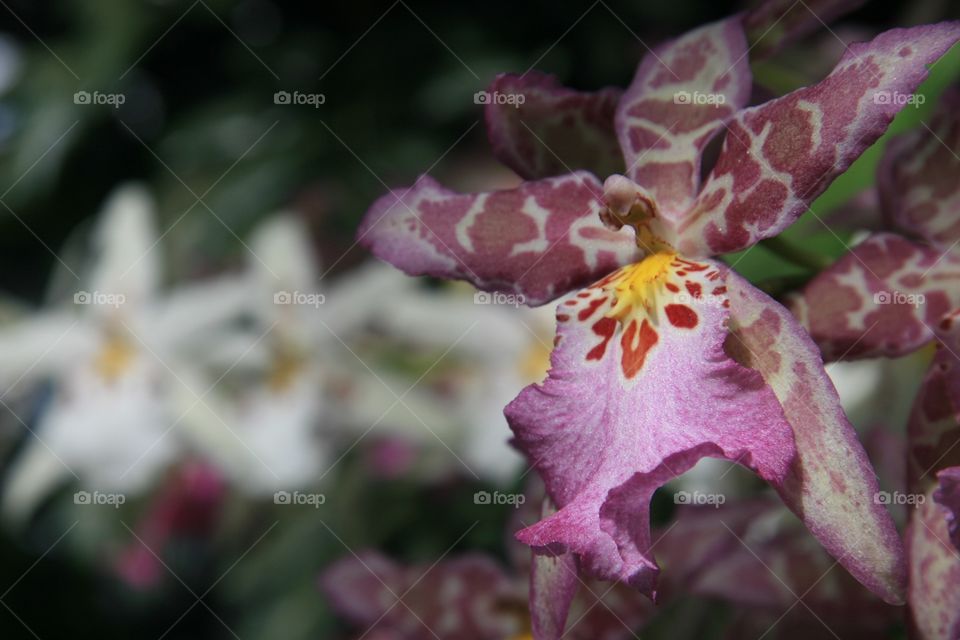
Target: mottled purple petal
(881, 299)
(551, 129)
(775, 23)
(832, 486)
(948, 496)
(681, 96)
(539, 240)
(779, 156)
(934, 594)
(467, 597)
(919, 178)
(640, 389)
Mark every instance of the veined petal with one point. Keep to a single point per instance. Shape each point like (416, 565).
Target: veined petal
(948, 497)
(539, 128)
(681, 96)
(640, 389)
(881, 299)
(776, 23)
(919, 179)
(539, 240)
(779, 156)
(831, 486)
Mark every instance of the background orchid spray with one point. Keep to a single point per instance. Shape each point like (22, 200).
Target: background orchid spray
(668, 356)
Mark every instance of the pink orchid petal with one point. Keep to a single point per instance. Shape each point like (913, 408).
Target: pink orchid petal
(832, 486)
(681, 96)
(551, 130)
(948, 496)
(776, 23)
(919, 179)
(881, 299)
(626, 408)
(554, 580)
(779, 156)
(537, 241)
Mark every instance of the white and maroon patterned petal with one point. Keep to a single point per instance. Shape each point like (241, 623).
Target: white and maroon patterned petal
(539, 240)
(832, 486)
(681, 96)
(779, 156)
(919, 179)
(881, 299)
(934, 441)
(775, 23)
(934, 594)
(948, 497)
(640, 389)
(467, 597)
(555, 130)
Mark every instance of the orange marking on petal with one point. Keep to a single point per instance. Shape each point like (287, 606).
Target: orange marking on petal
(590, 309)
(634, 356)
(672, 287)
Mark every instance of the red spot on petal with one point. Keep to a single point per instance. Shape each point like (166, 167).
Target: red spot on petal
(604, 327)
(694, 288)
(590, 309)
(562, 317)
(719, 291)
(570, 303)
(583, 294)
(633, 356)
(681, 316)
(672, 287)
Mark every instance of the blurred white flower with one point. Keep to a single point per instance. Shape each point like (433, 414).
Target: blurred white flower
(112, 355)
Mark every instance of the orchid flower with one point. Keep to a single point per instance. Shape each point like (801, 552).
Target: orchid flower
(664, 356)
(886, 296)
(113, 359)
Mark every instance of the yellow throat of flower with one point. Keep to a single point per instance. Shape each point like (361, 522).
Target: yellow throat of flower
(637, 286)
(114, 358)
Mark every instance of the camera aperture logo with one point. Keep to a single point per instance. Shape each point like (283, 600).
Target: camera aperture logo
(99, 298)
(299, 498)
(485, 497)
(698, 498)
(99, 498)
(512, 99)
(499, 297)
(299, 298)
(298, 98)
(699, 98)
(96, 97)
